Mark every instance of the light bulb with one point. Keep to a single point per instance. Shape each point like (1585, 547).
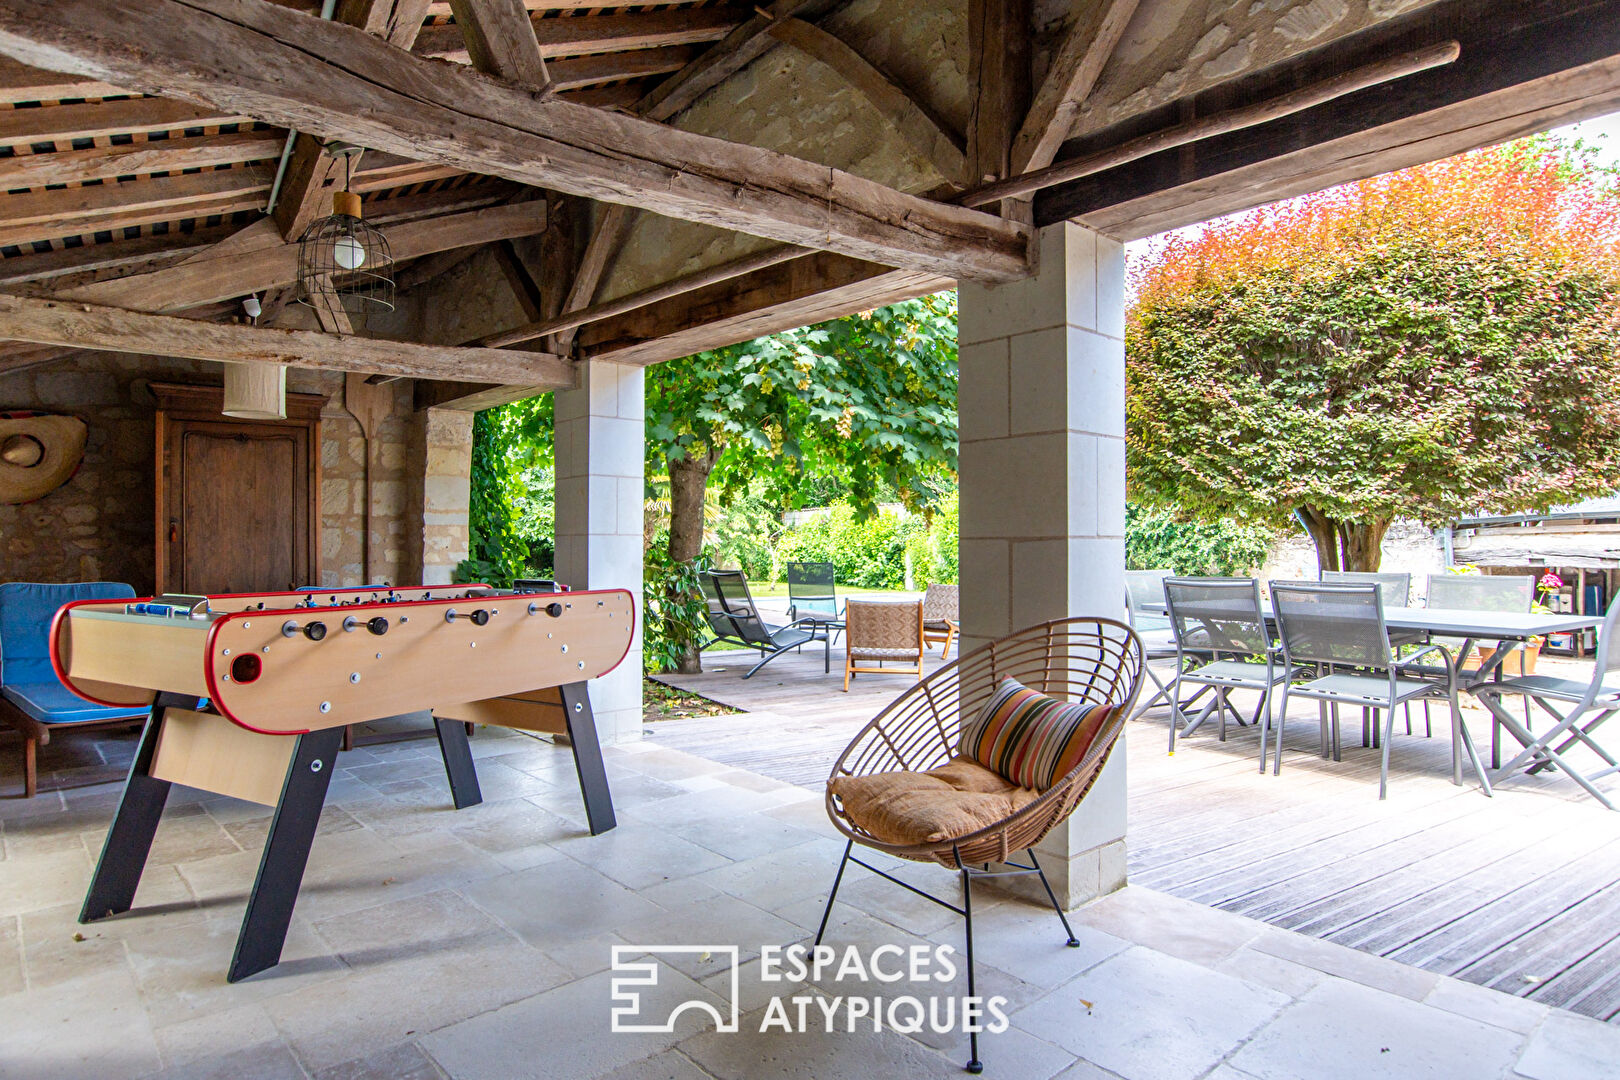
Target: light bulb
(252, 306)
(348, 253)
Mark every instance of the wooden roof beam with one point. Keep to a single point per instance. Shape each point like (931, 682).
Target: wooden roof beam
(340, 83)
(19, 82)
(601, 33)
(1524, 66)
(78, 325)
(258, 259)
(1076, 64)
(500, 40)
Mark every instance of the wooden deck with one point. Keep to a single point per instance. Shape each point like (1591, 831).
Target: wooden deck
(1520, 892)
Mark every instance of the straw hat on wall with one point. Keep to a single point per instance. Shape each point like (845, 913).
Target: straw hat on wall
(38, 454)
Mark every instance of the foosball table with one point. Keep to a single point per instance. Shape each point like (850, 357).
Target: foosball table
(250, 695)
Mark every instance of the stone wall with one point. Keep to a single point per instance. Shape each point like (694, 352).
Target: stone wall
(100, 525)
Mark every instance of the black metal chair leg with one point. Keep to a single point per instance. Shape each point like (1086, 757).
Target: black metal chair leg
(1073, 942)
(837, 880)
(974, 1065)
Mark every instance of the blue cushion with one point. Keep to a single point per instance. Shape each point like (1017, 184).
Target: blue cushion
(26, 610)
(53, 703)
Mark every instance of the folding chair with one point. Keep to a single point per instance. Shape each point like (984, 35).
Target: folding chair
(1588, 704)
(733, 616)
(1144, 597)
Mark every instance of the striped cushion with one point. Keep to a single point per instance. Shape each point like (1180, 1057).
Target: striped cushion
(1031, 739)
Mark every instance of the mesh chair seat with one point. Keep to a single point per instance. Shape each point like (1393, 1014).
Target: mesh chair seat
(1243, 674)
(1370, 690)
(1544, 686)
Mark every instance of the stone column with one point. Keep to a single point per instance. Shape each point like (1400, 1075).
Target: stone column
(439, 449)
(1042, 407)
(601, 446)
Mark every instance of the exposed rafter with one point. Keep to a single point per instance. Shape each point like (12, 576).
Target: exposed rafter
(602, 33)
(500, 40)
(134, 159)
(998, 81)
(257, 258)
(1076, 63)
(93, 326)
(100, 120)
(929, 136)
(341, 83)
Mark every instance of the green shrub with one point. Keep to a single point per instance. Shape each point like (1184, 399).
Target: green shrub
(932, 550)
(672, 608)
(1155, 539)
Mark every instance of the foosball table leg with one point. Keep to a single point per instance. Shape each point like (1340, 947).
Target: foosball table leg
(129, 839)
(593, 782)
(286, 853)
(458, 763)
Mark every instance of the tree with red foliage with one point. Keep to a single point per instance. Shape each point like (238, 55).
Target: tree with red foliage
(1429, 343)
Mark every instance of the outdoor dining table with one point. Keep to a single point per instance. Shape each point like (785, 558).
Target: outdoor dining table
(1501, 630)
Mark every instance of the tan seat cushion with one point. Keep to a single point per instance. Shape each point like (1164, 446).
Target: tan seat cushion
(937, 806)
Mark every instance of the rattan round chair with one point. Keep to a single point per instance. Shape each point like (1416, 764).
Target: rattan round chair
(1083, 660)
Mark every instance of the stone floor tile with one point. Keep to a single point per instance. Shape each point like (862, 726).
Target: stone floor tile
(11, 957)
(780, 879)
(1567, 1047)
(814, 1054)
(746, 835)
(1345, 963)
(1086, 1070)
(1345, 1031)
(1146, 1015)
(509, 825)
(670, 1065)
(640, 856)
(1487, 1006)
(43, 881)
(236, 1043)
(566, 1031)
(181, 969)
(399, 995)
(559, 902)
(372, 936)
(1027, 941)
(1010, 1053)
(1263, 969)
(1170, 925)
(57, 949)
(633, 790)
(664, 764)
(585, 956)
(709, 924)
(54, 1034)
(251, 834)
(407, 1061)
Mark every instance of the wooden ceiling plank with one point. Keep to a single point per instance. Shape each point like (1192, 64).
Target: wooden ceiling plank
(1077, 62)
(136, 159)
(310, 169)
(582, 71)
(86, 260)
(98, 120)
(562, 37)
(19, 83)
(500, 40)
(341, 83)
(79, 325)
(174, 192)
(929, 136)
(802, 292)
(242, 269)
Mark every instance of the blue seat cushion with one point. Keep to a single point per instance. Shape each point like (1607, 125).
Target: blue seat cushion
(53, 703)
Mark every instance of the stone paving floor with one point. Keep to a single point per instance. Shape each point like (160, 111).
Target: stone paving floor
(478, 944)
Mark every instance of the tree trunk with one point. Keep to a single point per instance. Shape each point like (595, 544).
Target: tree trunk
(688, 482)
(1343, 544)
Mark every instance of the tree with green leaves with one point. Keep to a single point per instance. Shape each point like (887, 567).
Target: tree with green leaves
(868, 401)
(1430, 343)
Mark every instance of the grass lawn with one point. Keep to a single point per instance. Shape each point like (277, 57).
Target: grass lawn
(765, 590)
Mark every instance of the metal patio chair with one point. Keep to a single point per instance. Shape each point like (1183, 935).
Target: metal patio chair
(1341, 625)
(1586, 706)
(1080, 660)
(813, 593)
(1476, 592)
(1396, 589)
(733, 616)
(1144, 589)
(1223, 619)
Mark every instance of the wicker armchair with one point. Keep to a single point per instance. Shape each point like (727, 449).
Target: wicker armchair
(883, 632)
(1083, 660)
(940, 619)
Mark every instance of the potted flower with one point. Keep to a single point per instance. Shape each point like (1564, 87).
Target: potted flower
(1523, 661)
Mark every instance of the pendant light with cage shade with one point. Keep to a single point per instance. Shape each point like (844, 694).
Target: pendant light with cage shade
(345, 269)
